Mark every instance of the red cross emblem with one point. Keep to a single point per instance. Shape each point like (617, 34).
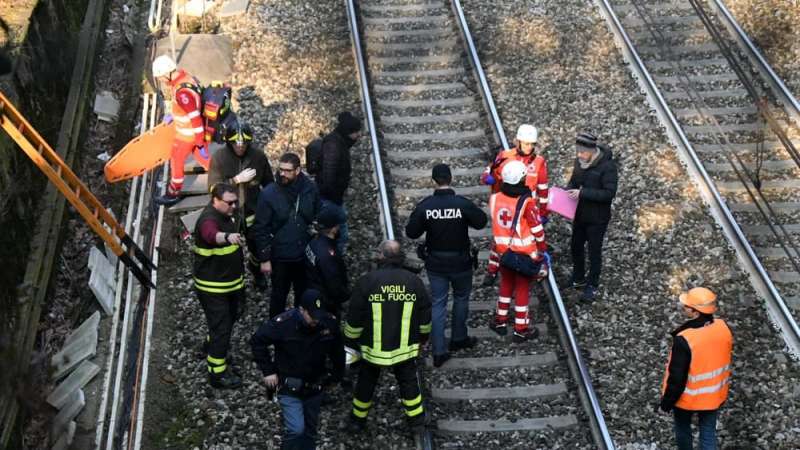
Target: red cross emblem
(504, 217)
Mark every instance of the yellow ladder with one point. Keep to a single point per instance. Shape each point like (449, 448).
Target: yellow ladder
(79, 196)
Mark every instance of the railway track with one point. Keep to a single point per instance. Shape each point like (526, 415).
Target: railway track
(737, 131)
(420, 72)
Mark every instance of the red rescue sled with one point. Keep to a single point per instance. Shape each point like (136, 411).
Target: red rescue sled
(141, 154)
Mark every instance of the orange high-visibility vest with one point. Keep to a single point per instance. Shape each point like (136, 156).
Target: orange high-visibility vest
(710, 368)
(520, 240)
(187, 108)
(535, 179)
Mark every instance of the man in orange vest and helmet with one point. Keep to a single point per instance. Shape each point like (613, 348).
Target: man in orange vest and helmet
(526, 238)
(527, 152)
(699, 369)
(186, 112)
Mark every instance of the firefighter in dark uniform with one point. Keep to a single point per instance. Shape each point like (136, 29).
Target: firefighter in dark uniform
(445, 218)
(248, 169)
(327, 273)
(388, 320)
(303, 337)
(219, 278)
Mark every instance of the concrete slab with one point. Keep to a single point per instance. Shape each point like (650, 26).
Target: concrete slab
(193, 51)
(73, 354)
(233, 8)
(102, 291)
(99, 263)
(485, 426)
(106, 106)
(76, 380)
(112, 258)
(497, 362)
(191, 166)
(486, 333)
(194, 8)
(65, 440)
(190, 220)
(67, 414)
(191, 203)
(195, 184)
(539, 391)
(88, 326)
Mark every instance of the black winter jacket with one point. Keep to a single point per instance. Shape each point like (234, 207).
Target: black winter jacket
(445, 217)
(334, 175)
(283, 217)
(679, 363)
(226, 164)
(598, 186)
(300, 351)
(326, 272)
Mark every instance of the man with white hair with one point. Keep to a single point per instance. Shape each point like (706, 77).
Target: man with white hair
(186, 112)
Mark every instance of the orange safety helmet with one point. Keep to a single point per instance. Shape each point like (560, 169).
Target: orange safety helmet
(700, 299)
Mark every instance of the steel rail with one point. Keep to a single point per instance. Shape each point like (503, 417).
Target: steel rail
(366, 101)
(785, 96)
(776, 307)
(576, 364)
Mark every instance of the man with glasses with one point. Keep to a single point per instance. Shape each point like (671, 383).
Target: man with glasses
(284, 214)
(219, 279)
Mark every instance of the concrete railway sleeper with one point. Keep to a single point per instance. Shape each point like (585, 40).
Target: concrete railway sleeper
(744, 144)
(425, 101)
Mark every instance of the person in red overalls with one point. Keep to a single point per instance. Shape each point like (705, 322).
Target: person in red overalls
(526, 238)
(186, 112)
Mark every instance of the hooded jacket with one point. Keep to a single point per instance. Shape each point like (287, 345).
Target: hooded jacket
(334, 175)
(598, 185)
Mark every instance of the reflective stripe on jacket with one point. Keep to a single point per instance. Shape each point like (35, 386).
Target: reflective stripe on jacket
(709, 369)
(187, 108)
(536, 178)
(527, 238)
(218, 268)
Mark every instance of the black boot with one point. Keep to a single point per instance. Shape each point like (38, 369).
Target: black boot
(224, 380)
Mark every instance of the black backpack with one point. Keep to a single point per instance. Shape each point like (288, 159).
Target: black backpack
(314, 155)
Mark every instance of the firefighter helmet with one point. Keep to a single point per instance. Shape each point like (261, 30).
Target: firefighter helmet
(239, 134)
(701, 299)
(514, 172)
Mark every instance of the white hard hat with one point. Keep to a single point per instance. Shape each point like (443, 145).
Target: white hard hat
(514, 172)
(527, 133)
(163, 65)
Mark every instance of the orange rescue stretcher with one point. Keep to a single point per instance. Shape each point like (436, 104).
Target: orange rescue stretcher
(145, 152)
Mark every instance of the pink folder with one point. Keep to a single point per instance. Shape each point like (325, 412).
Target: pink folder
(561, 203)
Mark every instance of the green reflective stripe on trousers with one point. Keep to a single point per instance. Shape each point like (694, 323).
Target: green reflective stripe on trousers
(405, 324)
(377, 330)
(220, 284)
(352, 332)
(217, 369)
(219, 287)
(250, 220)
(360, 414)
(215, 361)
(415, 412)
(361, 405)
(425, 329)
(219, 251)
(383, 358)
(413, 401)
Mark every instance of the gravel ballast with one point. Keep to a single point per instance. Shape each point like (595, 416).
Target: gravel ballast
(556, 65)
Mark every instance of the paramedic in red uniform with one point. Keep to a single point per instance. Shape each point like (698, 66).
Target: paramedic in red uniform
(526, 238)
(186, 113)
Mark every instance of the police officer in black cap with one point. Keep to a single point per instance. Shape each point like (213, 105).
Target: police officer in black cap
(445, 218)
(326, 272)
(303, 338)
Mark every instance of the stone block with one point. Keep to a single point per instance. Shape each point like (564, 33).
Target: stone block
(102, 291)
(190, 203)
(195, 184)
(79, 349)
(88, 326)
(68, 413)
(76, 380)
(99, 263)
(190, 220)
(106, 106)
(233, 8)
(65, 439)
(193, 51)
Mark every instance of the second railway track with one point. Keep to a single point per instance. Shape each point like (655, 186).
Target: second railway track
(429, 109)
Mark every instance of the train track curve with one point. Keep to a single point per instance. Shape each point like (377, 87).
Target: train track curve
(737, 132)
(427, 100)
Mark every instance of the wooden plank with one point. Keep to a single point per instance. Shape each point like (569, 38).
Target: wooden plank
(489, 426)
(190, 203)
(497, 362)
(537, 391)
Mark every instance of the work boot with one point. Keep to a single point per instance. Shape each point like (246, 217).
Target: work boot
(224, 380)
(438, 360)
(576, 283)
(521, 336)
(589, 293)
(469, 342)
(167, 199)
(501, 328)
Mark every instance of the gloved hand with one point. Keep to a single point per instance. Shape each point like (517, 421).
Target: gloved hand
(167, 118)
(245, 176)
(543, 220)
(204, 151)
(487, 178)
